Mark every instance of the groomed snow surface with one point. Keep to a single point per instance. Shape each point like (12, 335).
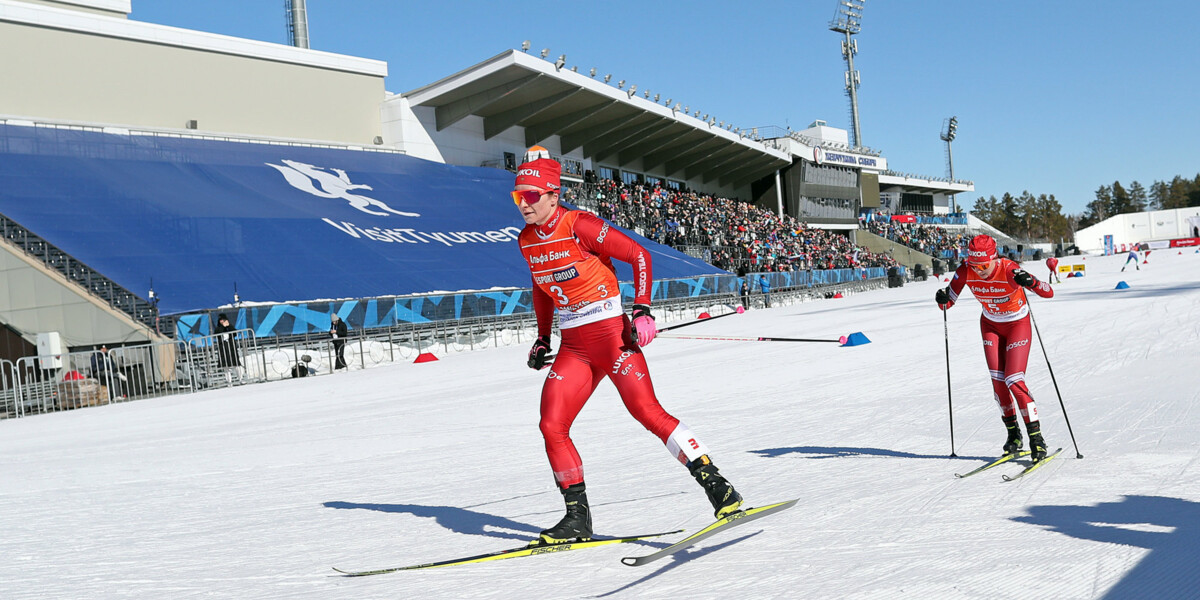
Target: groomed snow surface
(257, 492)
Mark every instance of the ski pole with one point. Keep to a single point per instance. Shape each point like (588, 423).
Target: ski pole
(1055, 382)
(694, 322)
(743, 339)
(949, 393)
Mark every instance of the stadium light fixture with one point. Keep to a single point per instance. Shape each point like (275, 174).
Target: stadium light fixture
(574, 68)
(562, 60)
(646, 94)
(545, 52)
(607, 77)
(621, 84)
(525, 46)
(847, 20)
(592, 72)
(669, 101)
(656, 96)
(948, 134)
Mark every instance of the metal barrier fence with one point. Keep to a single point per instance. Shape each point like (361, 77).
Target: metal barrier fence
(41, 384)
(8, 389)
(224, 360)
(36, 385)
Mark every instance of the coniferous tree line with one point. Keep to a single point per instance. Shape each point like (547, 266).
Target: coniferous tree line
(1116, 199)
(1027, 217)
(1040, 218)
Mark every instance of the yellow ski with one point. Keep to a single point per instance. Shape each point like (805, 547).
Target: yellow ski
(529, 550)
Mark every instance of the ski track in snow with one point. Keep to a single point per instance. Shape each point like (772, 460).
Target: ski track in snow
(256, 492)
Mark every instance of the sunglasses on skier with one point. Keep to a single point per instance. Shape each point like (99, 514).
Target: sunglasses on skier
(981, 267)
(530, 197)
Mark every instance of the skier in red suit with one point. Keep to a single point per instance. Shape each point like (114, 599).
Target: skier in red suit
(1052, 264)
(570, 255)
(999, 284)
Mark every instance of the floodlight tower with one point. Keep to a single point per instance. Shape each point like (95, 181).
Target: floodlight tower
(848, 21)
(949, 130)
(297, 22)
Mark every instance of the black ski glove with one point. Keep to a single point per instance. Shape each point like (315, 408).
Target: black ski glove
(1023, 278)
(537, 354)
(942, 297)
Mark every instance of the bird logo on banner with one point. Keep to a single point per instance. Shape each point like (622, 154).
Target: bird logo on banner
(333, 183)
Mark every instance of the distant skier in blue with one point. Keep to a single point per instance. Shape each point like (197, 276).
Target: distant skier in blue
(766, 289)
(1134, 257)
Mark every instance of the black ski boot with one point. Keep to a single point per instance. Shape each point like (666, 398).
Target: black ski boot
(721, 494)
(1037, 446)
(576, 525)
(1014, 443)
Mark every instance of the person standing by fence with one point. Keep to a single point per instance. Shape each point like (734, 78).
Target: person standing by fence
(227, 351)
(104, 370)
(337, 329)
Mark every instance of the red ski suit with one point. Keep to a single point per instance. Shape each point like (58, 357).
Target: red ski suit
(570, 259)
(1006, 331)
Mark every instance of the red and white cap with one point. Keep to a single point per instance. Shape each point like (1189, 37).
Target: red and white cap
(539, 170)
(982, 249)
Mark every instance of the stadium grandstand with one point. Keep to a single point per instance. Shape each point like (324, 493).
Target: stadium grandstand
(152, 183)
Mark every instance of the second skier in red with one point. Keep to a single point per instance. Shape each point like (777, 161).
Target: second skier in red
(999, 284)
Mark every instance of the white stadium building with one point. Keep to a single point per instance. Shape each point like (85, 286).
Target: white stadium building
(84, 66)
(108, 71)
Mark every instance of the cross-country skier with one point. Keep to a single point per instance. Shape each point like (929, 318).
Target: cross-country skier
(1131, 257)
(1052, 264)
(570, 258)
(999, 285)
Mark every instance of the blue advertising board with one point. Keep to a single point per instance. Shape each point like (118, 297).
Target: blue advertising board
(276, 223)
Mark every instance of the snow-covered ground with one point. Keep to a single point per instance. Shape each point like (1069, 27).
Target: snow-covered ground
(256, 492)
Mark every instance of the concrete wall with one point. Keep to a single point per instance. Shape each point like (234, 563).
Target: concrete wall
(903, 254)
(35, 300)
(59, 74)
(110, 8)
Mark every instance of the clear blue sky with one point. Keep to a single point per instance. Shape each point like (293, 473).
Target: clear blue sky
(1051, 97)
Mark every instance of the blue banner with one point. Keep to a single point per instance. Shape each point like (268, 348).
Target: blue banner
(314, 317)
(275, 223)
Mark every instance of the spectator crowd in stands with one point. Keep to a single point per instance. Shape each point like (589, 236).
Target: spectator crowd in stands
(929, 239)
(731, 234)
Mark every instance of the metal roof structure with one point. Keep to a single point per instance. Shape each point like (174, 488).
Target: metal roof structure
(891, 181)
(612, 126)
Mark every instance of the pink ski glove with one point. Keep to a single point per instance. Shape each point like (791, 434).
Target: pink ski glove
(644, 328)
